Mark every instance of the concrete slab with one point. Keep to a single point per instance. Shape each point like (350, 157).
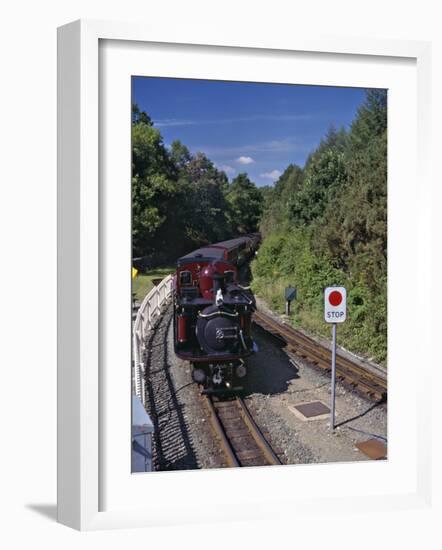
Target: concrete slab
(311, 410)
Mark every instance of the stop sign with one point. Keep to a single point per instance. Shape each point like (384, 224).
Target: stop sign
(335, 304)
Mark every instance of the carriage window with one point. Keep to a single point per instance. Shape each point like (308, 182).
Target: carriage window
(185, 278)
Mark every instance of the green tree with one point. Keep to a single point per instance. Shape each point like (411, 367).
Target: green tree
(179, 154)
(246, 203)
(154, 187)
(356, 220)
(324, 174)
(278, 206)
(140, 116)
(203, 203)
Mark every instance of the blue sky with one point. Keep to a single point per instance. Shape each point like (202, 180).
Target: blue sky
(246, 127)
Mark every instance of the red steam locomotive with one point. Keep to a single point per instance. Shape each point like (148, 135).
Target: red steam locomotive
(213, 313)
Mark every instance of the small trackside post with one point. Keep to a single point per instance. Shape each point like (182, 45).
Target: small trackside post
(289, 295)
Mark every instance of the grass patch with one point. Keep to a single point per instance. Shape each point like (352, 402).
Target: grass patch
(142, 283)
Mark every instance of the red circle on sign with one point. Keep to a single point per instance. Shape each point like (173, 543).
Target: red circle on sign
(335, 298)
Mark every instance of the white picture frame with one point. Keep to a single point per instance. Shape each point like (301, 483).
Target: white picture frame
(83, 403)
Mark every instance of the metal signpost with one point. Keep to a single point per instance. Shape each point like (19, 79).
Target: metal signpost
(290, 295)
(335, 311)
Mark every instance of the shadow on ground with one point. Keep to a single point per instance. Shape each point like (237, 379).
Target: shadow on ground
(172, 445)
(370, 408)
(270, 370)
(49, 511)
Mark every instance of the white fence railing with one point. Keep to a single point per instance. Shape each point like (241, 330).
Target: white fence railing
(148, 313)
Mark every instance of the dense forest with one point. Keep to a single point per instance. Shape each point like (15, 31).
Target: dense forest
(326, 224)
(322, 224)
(182, 201)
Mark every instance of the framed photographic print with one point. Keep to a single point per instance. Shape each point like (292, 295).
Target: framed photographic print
(231, 289)
(279, 184)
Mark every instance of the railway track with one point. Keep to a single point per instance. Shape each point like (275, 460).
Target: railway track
(368, 381)
(241, 439)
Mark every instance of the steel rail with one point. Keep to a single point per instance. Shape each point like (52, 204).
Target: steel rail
(372, 384)
(243, 420)
(256, 433)
(232, 461)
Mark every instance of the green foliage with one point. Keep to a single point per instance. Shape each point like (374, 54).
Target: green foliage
(203, 206)
(329, 227)
(140, 116)
(324, 174)
(154, 187)
(180, 154)
(289, 256)
(279, 200)
(245, 205)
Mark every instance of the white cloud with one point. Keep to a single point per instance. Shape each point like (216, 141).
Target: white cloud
(227, 169)
(285, 117)
(285, 145)
(174, 122)
(244, 160)
(273, 175)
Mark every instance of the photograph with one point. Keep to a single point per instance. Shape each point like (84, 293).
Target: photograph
(259, 274)
(230, 214)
